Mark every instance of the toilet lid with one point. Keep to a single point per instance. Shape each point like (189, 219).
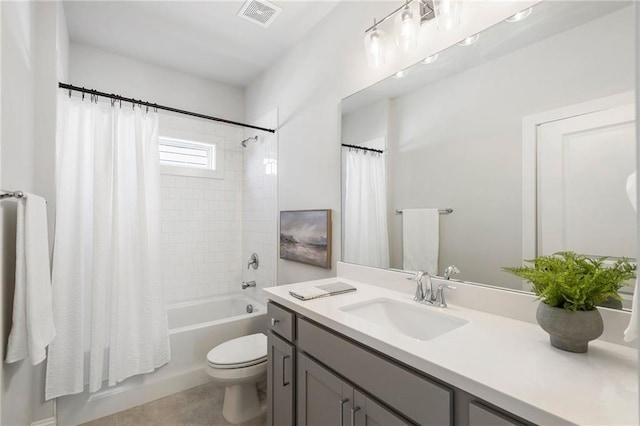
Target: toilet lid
(245, 350)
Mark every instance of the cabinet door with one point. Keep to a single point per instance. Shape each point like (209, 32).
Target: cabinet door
(367, 412)
(323, 399)
(280, 382)
(421, 400)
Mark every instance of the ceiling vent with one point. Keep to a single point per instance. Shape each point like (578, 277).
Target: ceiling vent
(259, 12)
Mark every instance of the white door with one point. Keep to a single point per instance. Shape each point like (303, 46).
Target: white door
(582, 168)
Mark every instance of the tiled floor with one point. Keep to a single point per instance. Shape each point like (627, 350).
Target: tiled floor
(201, 405)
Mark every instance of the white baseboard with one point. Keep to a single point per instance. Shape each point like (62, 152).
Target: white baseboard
(51, 421)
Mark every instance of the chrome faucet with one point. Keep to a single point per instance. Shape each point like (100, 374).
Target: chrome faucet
(419, 296)
(423, 294)
(427, 295)
(247, 284)
(451, 269)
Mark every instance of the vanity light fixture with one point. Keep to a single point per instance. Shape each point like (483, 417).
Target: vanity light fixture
(469, 40)
(520, 15)
(400, 74)
(429, 59)
(408, 19)
(407, 26)
(374, 46)
(447, 13)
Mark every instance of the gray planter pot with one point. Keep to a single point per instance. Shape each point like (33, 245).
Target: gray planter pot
(570, 331)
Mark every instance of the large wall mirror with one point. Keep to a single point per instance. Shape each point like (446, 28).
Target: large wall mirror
(517, 145)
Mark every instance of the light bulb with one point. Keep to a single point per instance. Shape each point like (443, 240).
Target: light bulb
(407, 26)
(469, 40)
(400, 74)
(447, 13)
(374, 45)
(520, 15)
(429, 59)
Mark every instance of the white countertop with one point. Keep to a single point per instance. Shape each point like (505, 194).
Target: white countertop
(506, 362)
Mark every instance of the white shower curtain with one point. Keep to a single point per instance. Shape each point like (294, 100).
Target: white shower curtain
(109, 309)
(366, 238)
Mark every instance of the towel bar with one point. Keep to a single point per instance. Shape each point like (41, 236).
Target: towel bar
(441, 211)
(11, 194)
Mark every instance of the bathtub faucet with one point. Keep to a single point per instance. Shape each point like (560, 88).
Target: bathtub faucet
(247, 284)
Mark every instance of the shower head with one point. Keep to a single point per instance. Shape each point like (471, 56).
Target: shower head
(246, 141)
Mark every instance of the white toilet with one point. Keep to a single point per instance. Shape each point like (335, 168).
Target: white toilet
(240, 364)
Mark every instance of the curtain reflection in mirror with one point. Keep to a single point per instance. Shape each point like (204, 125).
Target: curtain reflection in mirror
(366, 239)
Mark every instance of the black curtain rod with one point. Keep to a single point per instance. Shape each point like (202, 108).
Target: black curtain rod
(156, 106)
(364, 148)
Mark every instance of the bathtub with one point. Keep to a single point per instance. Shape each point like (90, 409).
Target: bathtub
(195, 327)
(202, 313)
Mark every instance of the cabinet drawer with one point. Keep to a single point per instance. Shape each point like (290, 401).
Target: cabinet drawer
(281, 321)
(419, 399)
(480, 415)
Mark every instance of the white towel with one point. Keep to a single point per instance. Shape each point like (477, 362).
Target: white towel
(420, 240)
(32, 328)
(325, 290)
(631, 333)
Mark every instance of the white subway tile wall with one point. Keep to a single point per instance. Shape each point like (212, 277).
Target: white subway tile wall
(259, 183)
(202, 252)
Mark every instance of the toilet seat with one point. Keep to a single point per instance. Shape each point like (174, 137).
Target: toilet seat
(240, 365)
(241, 352)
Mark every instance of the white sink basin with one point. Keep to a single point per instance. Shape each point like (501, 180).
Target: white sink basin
(420, 322)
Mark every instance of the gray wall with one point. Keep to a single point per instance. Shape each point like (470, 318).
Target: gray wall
(34, 45)
(18, 62)
(111, 73)
(366, 124)
(307, 84)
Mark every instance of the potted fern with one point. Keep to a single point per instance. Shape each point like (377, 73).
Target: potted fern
(570, 287)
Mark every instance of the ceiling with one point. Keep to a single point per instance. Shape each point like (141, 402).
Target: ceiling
(202, 38)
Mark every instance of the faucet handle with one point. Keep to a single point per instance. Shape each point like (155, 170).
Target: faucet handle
(440, 294)
(418, 276)
(254, 261)
(451, 269)
(419, 296)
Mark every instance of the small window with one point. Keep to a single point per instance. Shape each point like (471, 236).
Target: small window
(177, 152)
(184, 153)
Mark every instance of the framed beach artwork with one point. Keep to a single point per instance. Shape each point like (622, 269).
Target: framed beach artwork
(305, 237)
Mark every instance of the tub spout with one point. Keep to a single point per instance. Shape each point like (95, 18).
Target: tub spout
(247, 284)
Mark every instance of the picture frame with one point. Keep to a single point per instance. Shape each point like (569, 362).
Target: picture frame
(305, 236)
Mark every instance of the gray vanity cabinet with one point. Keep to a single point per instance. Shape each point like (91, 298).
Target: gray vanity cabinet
(280, 381)
(318, 377)
(414, 396)
(281, 367)
(325, 399)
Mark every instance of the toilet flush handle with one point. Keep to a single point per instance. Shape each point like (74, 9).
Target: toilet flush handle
(274, 322)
